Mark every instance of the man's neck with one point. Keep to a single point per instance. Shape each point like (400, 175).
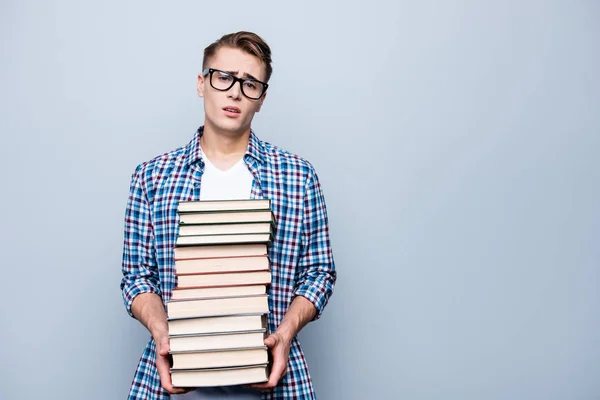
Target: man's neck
(223, 150)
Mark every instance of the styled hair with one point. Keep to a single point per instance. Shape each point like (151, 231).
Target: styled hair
(248, 42)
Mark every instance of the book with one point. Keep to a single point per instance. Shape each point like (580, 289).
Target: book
(223, 205)
(220, 376)
(220, 358)
(212, 251)
(223, 239)
(217, 314)
(227, 217)
(225, 229)
(224, 279)
(217, 306)
(230, 340)
(228, 323)
(221, 264)
(226, 291)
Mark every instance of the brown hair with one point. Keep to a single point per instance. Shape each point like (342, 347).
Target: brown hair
(248, 42)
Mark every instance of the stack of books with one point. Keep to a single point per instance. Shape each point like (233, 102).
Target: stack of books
(217, 313)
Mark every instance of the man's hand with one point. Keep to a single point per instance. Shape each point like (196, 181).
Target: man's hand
(301, 311)
(163, 365)
(149, 310)
(280, 349)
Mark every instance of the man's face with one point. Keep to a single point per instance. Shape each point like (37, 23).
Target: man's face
(230, 112)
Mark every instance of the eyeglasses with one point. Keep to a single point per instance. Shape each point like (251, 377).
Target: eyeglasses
(223, 81)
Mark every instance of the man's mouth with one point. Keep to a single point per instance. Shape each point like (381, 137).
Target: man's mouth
(232, 109)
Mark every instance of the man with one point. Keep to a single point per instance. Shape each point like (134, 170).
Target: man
(225, 160)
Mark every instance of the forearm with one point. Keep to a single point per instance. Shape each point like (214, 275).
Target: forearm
(149, 310)
(315, 272)
(300, 312)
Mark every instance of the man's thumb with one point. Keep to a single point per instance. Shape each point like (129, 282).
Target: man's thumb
(163, 346)
(270, 341)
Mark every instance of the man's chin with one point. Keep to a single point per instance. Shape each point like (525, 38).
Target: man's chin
(231, 129)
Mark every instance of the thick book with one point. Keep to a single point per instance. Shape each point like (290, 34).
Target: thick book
(227, 217)
(219, 324)
(225, 291)
(230, 340)
(217, 306)
(223, 239)
(225, 229)
(220, 376)
(222, 264)
(214, 251)
(224, 279)
(223, 205)
(220, 358)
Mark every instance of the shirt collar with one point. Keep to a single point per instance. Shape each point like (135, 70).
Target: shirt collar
(256, 148)
(194, 152)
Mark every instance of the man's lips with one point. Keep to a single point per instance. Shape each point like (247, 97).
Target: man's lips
(231, 110)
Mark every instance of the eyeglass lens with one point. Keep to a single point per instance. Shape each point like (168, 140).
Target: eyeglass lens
(224, 81)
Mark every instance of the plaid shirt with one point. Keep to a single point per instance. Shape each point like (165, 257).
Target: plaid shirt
(301, 257)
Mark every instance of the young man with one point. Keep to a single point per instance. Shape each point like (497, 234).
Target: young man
(225, 160)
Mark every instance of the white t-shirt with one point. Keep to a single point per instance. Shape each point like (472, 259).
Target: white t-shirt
(232, 184)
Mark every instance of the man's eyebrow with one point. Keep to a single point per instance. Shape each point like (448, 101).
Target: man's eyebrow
(246, 75)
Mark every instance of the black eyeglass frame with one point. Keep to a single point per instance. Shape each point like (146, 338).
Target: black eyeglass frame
(235, 80)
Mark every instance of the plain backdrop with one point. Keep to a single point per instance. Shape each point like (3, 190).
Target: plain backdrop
(457, 143)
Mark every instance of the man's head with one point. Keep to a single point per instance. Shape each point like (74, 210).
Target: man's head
(230, 104)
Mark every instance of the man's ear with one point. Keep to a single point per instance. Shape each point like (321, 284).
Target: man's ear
(200, 84)
(261, 101)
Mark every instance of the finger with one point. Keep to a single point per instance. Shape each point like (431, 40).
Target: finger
(277, 373)
(270, 341)
(279, 363)
(164, 347)
(256, 387)
(278, 368)
(261, 386)
(162, 366)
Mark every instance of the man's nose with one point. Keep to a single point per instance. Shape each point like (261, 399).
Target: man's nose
(235, 92)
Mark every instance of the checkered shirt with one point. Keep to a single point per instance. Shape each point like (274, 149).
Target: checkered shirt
(301, 256)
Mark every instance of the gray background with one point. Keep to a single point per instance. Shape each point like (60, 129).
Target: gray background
(457, 143)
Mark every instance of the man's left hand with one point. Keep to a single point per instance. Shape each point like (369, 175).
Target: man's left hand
(280, 350)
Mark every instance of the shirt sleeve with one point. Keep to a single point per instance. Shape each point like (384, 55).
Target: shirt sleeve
(316, 273)
(139, 267)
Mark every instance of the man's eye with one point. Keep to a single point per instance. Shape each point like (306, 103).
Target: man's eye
(250, 85)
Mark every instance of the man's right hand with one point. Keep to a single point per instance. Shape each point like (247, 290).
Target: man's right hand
(163, 365)
(148, 308)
